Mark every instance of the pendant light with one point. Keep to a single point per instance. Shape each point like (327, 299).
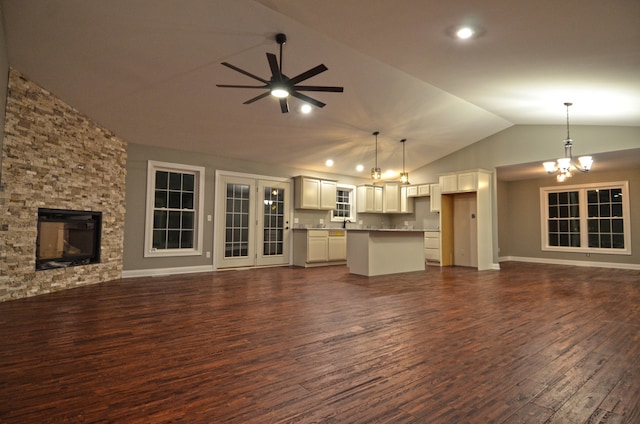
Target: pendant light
(375, 171)
(564, 165)
(404, 176)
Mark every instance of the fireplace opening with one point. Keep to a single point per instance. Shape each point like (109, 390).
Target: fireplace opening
(67, 238)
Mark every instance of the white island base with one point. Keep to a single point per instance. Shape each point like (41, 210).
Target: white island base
(381, 252)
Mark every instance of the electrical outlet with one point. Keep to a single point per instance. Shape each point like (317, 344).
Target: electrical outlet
(208, 254)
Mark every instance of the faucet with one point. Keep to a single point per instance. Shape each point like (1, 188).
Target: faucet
(344, 223)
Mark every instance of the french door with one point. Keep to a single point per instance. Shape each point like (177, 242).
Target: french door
(252, 222)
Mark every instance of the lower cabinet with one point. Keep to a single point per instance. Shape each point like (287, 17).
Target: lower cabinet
(319, 247)
(432, 246)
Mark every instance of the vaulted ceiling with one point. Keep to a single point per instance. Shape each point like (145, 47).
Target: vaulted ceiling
(148, 69)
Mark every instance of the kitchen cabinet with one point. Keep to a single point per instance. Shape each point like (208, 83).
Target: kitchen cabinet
(406, 204)
(391, 197)
(337, 246)
(423, 190)
(459, 183)
(435, 200)
(432, 246)
(318, 247)
(369, 199)
(468, 181)
(314, 193)
(420, 190)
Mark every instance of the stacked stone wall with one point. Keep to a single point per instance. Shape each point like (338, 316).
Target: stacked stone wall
(55, 157)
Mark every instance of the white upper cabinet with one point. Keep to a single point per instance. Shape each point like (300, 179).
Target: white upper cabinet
(391, 197)
(314, 193)
(424, 190)
(406, 204)
(412, 191)
(419, 190)
(328, 191)
(458, 183)
(435, 201)
(369, 199)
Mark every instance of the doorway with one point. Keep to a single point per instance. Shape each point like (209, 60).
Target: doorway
(459, 230)
(465, 230)
(252, 221)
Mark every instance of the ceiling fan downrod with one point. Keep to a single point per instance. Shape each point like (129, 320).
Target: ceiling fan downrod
(281, 39)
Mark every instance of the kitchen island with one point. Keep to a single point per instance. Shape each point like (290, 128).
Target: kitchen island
(373, 252)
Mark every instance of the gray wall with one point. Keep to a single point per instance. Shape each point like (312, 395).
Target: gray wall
(523, 144)
(519, 214)
(138, 155)
(530, 143)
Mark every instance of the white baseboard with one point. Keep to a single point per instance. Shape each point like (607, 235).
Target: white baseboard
(570, 262)
(158, 272)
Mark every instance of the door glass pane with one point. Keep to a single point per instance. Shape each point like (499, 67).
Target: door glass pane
(237, 219)
(273, 211)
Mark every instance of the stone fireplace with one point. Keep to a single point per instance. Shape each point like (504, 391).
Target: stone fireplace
(55, 158)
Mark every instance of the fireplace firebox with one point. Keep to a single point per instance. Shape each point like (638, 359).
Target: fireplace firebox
(67, 238)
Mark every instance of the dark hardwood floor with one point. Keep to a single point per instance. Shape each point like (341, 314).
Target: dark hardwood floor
(530, 343)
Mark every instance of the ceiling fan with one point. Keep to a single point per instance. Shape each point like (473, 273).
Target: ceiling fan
(281, 86)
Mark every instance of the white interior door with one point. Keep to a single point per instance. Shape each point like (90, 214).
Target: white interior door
(252, 222)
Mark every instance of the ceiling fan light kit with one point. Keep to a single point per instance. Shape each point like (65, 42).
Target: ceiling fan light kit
(564, 165)
(281, 86)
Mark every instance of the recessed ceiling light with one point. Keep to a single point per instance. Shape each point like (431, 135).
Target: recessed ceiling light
(465, 33)
(305, 108)
(360, 168)
(329, 163)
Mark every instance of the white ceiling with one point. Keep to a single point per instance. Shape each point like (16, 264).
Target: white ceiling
(147, 70)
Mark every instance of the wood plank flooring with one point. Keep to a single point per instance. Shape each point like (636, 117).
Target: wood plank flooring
(531, 343)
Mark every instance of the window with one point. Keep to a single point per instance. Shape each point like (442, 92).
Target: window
(174, 210)
(591, 218)
(345, 204)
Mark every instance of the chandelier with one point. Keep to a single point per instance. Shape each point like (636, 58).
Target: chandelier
(404, 176)
(376, 174)
(563, 166)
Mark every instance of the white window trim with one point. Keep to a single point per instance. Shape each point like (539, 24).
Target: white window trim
(582, 189)
(352, 217)
(152, 167)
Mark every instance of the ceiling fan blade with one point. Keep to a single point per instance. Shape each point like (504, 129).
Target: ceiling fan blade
(242, 71)
(273, 64)
(308, 74)
(261, 96)
(241, 86)
(307, 99)
(319, 88)
(284, 106)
